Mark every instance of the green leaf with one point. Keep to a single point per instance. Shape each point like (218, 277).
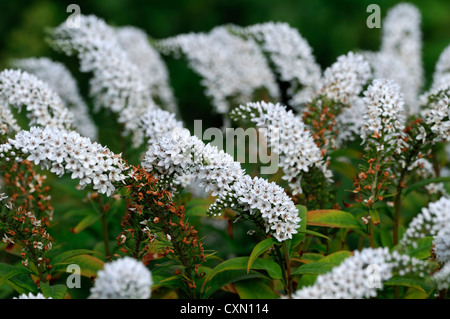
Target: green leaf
(197, 206)
(54, 292)
(85, 223)
(12, 273)
(259, 249)
(254, 289)
(386, 238)
(307, 258)
(314, 233)
(227, 277)
(408, 282)
(324, 265)
(424, 182)
(22, 283)
(162, 281)
(89, 265)
(235, 269)
(423, 248)
(317, 268)
(72, 253)
(332, 218)
(374, 216)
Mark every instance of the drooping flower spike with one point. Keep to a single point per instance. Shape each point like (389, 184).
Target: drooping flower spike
(59, 78)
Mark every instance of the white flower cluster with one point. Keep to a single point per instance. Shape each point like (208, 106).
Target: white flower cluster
(125, 278)
(117, 83)
(8, 123)
(442, 245)
(360, 275)
(44, 107)
(344, 79)
(432, 220)
(441, 76)
(291, 55)
(58, 77)
(158, 123)
(400, 57)
(245, 70)
(384, 116)
(442, 277)
(437, 116)
(31, 296)
(136, 44)
(218, 172)
(288, 136)
(61, 151)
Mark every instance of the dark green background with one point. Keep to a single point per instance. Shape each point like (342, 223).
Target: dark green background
(331, 27)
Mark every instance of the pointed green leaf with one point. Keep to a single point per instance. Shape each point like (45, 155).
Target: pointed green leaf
(324, 265)
(72, 253)
(254, 289)
(54, 292)
(259, 249)
(22, 283)
(14, 272)
(332, 218)
(374, 216)
(85, 223)
(424, 182)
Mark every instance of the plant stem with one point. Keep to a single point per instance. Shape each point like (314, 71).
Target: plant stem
(103, 212)
(288, 270)
(105, 236)
(371, 241)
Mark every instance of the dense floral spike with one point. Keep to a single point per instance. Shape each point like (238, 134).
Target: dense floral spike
(159, 123)
(117, 83)
(442, 245)
(136, 44)
(44, 106)
(61, 151)
(155, 225)
(344, 79)
(125, 278)
(400, 57)
(173, 156)
(21, 226)
(58, 77)
(384, 117)
(246, 68)
(339, 89)
(384, 137)
(432, 220)
(441, 76)
(291, 56)
(288, 136)
(360, 275)
(437, 116)
(442, 277)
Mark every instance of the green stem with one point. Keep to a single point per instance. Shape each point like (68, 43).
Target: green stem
(105, 236)
(371, 241)
(288, 270)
